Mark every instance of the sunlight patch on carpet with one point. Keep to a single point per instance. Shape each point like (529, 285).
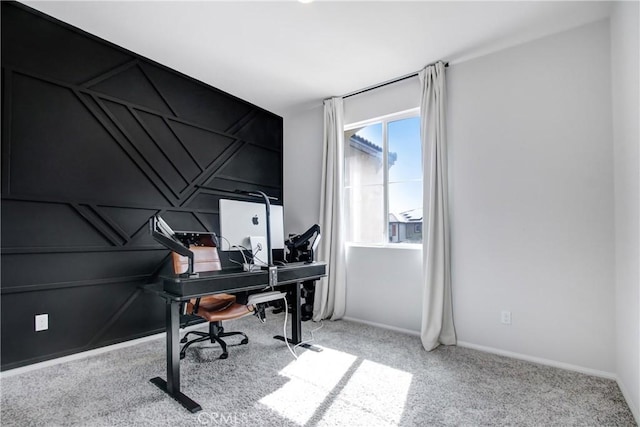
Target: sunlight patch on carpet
(376, 394)
(312, 377)
(337, 388)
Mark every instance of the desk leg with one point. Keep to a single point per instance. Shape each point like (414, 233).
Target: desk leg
(172, 385)
(296, 321)
(296, 318)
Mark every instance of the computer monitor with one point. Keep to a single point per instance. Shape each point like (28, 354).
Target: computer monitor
(240, 220)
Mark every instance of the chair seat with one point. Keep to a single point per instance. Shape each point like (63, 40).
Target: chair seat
(233, 311)
(213, 302)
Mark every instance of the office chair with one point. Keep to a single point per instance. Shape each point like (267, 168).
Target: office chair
(213, 308)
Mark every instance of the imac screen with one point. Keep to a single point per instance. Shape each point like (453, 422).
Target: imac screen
(240, 220)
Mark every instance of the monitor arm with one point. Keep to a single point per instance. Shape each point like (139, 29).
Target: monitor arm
(164, 235)
(302, 245)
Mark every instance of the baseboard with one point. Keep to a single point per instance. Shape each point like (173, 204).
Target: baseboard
(635, 410)
(540, 360)
(88, 353)
(383, 326)
(548, 362)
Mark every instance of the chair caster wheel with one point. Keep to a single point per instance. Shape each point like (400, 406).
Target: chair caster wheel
(182, 356)
(224, 356)
(183, 340)
(244, 341)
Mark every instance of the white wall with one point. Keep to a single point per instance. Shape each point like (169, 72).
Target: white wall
(400, 96)
(531, 165)
(384, 286)
(302, 168)
(624, 64)
(531, 176)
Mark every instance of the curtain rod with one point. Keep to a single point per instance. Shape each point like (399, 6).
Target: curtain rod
(389, 82)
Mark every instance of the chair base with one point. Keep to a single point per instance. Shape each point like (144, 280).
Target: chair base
(215, 335)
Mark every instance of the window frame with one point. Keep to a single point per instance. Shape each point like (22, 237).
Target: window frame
(385, 119)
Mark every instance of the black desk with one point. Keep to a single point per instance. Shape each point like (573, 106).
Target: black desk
(176, 290)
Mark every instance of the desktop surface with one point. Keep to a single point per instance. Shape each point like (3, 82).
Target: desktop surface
(234, 279)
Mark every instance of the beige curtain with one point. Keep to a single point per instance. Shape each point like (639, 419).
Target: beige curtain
(330, 295)
(437, 314)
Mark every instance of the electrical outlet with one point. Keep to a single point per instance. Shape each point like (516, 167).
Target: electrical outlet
(505, 317)
(42, 322)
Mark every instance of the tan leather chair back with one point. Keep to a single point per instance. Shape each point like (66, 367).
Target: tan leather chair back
(205, 258)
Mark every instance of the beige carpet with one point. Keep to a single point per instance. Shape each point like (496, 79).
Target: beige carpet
(364, 377)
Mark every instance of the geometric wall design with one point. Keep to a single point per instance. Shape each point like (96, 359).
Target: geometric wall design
(95, 140)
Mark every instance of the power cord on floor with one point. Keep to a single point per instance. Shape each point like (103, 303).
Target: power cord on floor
(284, 328)
(259, 311)
(284, 331)
(310, 340)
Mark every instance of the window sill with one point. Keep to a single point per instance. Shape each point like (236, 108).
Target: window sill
(405, 246)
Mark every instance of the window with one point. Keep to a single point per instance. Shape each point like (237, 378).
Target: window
(383, 180)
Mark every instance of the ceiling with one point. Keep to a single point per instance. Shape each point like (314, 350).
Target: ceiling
(287, 55)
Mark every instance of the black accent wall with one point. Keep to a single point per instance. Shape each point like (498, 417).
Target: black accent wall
(95, 140)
